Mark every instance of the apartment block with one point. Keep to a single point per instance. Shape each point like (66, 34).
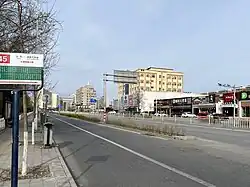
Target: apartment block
(84, 94)
(155, 79)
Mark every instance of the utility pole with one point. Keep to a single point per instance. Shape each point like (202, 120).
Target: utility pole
(105, 92)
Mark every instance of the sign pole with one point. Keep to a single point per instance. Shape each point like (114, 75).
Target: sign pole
(15, 139)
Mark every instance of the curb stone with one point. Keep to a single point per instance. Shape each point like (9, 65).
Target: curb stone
(65, 167)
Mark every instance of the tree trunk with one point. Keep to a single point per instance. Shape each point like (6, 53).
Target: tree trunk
(25, 135)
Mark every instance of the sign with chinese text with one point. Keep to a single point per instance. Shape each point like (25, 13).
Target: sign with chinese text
(228, 97)
(21, 68)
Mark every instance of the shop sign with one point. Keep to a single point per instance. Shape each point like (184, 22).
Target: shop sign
(244, 95)
(182, 101)
(228, 97)
(211, 98)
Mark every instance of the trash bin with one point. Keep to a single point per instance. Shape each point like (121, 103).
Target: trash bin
(48, 134)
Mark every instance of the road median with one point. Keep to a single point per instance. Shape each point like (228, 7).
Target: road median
(147, 129)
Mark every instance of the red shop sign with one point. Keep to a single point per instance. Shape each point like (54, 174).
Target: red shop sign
(228, 97)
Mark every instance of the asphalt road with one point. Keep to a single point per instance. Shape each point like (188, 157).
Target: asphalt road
(106, 157)
(231, 136)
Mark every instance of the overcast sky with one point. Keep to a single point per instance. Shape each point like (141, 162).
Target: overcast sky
(207, 40)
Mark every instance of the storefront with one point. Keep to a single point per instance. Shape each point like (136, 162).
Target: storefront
(181, 105)
(174, 106)
(228, 104)
(244, 104)
(204, 104)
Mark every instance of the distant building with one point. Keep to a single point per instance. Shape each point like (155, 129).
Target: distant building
(53, 99)
(84, 95)
(66, 103)
(151, 79)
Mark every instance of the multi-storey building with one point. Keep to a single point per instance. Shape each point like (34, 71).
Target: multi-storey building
(155, 79)
(84, 95)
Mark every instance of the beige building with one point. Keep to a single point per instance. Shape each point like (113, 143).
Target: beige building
(155, 79)
(84, 94)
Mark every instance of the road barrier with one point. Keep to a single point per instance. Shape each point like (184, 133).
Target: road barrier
(237, 123)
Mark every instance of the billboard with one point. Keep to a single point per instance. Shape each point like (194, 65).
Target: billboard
(125, 76)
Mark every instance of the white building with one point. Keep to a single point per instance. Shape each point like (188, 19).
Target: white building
(147, 100)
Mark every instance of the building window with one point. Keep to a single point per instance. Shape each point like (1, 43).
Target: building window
(174, 78)
(159, 89)
(141, 75)
(179, 84)
(141, 88)
(179, 78)
(152, 80)
(147, 75)
(169, 90)
(147, 82)
(159, 76)
(163, 82)
(163, 77)
(153, 76)
(147, 88)
(179, 90)
(152, 87)
(174, 84)
(141, 81)
(159, 82)
(174, 90)
(162, 89)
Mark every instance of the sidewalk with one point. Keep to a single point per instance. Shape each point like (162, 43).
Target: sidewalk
(46, 167)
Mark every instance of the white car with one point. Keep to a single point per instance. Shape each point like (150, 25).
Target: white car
(161, 115)
(188, 115)
(112, 112)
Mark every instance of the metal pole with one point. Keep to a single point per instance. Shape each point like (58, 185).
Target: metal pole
(156, 106)
(104, 98)
(105, 93)
(15, 139)
(46, 106)
(234, 88)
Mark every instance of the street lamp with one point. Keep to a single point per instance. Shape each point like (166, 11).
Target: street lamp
(234, 87)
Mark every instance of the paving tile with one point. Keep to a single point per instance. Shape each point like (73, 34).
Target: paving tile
(36, 156)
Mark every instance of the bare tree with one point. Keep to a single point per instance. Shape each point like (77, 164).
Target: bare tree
(138, 99)
(27, 28)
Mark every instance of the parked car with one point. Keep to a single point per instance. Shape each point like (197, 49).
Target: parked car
(188, 115)
(160, 115)
(112, 112)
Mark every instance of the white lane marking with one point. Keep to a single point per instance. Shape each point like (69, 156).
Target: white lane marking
(195, 179)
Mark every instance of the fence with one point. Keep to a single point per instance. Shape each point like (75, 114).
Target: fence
(238, 123)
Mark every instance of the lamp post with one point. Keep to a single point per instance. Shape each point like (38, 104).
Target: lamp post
(234, 87)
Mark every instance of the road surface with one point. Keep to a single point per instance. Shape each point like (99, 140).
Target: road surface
(105, 157)
(231, 136)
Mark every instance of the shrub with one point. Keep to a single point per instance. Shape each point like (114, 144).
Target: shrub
(170, 130)
(78, 116)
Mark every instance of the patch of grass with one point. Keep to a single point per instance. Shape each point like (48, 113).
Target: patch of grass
(79, 116)
(163, 129)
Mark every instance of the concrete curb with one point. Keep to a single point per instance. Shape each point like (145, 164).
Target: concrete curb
(65, 167)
